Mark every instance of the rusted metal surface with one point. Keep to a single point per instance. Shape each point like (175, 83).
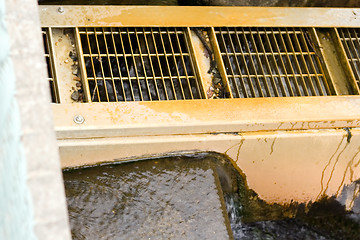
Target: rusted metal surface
(66, 67)
(281, 166)
(210, 116)
(271, 62)
(338, 69)
(138, 64)
(202, 60)
(350, 45)
(162, 16)
(274, 141)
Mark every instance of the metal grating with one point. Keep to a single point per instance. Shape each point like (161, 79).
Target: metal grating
(50, 66)
(350, 39)
(138, 64)
(271, 62)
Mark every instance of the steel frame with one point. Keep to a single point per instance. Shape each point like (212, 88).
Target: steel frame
(309, 130)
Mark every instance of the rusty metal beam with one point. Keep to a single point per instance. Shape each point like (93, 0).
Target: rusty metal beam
(337, 66)
(206, 116)
(170, 16)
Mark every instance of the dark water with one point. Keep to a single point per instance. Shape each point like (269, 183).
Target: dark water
(169, 198)
(181, 198)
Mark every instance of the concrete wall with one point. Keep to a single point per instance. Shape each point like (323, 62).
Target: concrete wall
(32, 194)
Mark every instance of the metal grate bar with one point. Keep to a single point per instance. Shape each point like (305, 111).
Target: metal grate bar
(290, 91)
(299, 83)
(267, 66)
(301, 64)
(315, 65)
(138, 64)
(351, 42)
(271, 62)
(150, 57)
(162, 83)
(171, 91)
(50, 66)
(113, 88)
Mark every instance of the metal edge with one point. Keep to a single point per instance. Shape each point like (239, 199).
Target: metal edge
(219, 61)
(83, 75)
(344, 60)
(180, 16)
(196, 63)
(203, 116)
(53, 69)
(319, 50)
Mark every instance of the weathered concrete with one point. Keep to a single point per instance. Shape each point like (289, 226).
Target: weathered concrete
(43, 172)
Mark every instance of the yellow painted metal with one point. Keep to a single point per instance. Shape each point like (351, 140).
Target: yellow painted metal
(271, 62)
(202, 63)
(152, 63)
(349, 47)
(82, 67)
(170, 16)
(338, 68)
(289, 148)
(63, 43)
(281, 166)
(220, 62)
(206, 116)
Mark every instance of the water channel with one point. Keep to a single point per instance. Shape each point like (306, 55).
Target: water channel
(194, 196)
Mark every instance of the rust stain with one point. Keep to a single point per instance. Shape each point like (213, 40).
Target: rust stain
(272, 146)
(230, 148)
(357, 164)
(347, 167)
(333, 169)
(326, 166)
(240, 145)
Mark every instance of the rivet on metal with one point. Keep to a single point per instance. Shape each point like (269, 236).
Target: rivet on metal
(78, 119)
(60, 9)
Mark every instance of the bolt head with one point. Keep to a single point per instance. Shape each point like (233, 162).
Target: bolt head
(78, 119)
(61, 10)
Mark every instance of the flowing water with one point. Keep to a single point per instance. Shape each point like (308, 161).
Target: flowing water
(190, 197)
(171, 198)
